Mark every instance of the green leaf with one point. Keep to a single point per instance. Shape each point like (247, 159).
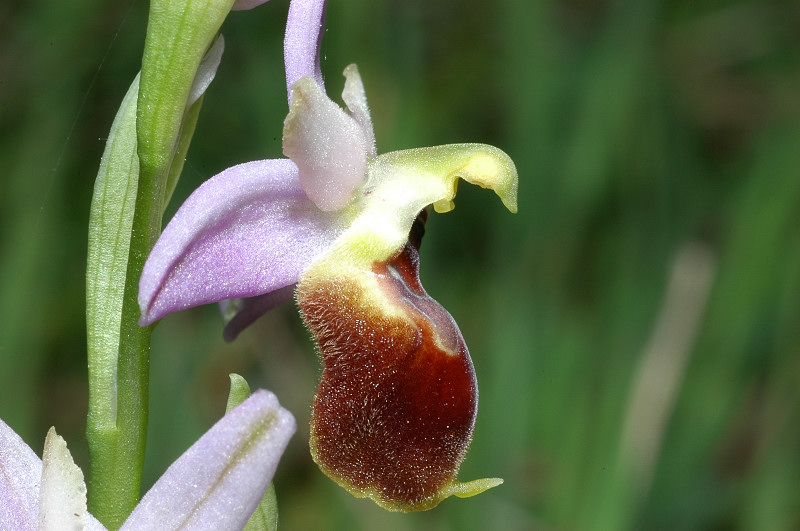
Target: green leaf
(265, 517)
(115, 466)
(240, 391)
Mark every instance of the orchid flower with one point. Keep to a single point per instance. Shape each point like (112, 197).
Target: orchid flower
(216, 484)
(339, 226)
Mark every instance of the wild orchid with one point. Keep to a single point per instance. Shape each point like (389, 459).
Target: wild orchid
(216, 484)
(339, 227)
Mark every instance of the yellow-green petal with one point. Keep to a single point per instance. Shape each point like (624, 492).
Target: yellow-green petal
(401, 183)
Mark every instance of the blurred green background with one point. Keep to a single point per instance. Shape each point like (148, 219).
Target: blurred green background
(635, 328)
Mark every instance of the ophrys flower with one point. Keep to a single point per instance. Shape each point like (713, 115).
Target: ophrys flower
(397, 400)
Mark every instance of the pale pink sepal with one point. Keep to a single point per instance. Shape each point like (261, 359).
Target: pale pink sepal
(218, 482)
(246, 232)
(304, 27)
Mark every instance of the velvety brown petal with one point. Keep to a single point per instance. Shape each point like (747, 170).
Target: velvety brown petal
(396, 404)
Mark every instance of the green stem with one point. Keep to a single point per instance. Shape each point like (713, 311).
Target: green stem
(122, 232)
(137, 174)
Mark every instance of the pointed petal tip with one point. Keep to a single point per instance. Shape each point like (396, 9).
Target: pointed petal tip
(146, 317)
(21, 480)
(244, 5)
(490, 167)
(355, 97)
(207, 70)
(457, 489)
(471, 488)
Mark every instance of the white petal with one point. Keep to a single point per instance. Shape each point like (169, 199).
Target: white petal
(207, 70)
(62, 498)
(245, 232)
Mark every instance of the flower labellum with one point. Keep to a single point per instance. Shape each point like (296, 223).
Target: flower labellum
(396, 405)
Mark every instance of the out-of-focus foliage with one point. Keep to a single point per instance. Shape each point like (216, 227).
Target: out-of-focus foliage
(635, 328)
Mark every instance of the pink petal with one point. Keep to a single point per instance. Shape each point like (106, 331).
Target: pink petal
(241, 313)
(245, 232)
(327, 145)
(218, 482)
(304, 28)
